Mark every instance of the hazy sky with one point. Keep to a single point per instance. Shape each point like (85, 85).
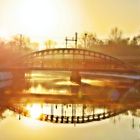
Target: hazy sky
(58, 18)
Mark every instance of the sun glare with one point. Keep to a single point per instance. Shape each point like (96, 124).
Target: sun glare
(34, 110)
(39, 17)
(3, 33)
(93, 82)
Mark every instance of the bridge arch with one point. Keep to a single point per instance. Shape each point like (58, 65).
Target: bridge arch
(72, 59)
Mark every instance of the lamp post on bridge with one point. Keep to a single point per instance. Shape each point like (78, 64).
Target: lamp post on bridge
(73, 39)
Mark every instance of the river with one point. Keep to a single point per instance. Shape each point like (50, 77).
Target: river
(26, 102)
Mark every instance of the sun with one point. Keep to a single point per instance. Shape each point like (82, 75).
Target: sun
(46, 19)
(38, 17)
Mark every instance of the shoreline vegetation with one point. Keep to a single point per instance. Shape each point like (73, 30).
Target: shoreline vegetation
(125, 48)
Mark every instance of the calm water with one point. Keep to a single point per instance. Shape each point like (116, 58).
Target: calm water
(55, 94)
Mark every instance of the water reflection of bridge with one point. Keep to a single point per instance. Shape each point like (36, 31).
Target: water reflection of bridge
(79, 119)
(74, 60)
(69, 113)
(55, 109)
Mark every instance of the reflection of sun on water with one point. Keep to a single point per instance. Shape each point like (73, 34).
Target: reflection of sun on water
(93, 82)
(32, 123)
(68, 83)
(35, 110)
(41, 90)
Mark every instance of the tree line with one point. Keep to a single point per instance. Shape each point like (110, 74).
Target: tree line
(115, 39)
(85, 40)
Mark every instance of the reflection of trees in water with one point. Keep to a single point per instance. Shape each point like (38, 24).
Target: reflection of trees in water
(115, 95)
(2, 109)
(87, 109)
(110, 92)
(72, 113)
(135, 112)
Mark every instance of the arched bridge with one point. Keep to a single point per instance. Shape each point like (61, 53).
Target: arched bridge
(70, 59)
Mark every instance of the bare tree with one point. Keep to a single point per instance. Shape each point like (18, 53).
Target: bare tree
(88, 40)
(19, 42)
(115, 34)
(116, 38)
(135, 41)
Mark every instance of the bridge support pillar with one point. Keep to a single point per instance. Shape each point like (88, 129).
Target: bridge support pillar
(75, 77)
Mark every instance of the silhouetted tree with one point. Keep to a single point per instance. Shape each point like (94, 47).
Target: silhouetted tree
(135, 42)
(89, 40)
(116, 39)
(19, 42)
(115, 34)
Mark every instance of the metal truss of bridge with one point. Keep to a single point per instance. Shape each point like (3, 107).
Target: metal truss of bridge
(70, 59)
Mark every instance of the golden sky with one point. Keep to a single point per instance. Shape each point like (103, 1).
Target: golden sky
(40, 19)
